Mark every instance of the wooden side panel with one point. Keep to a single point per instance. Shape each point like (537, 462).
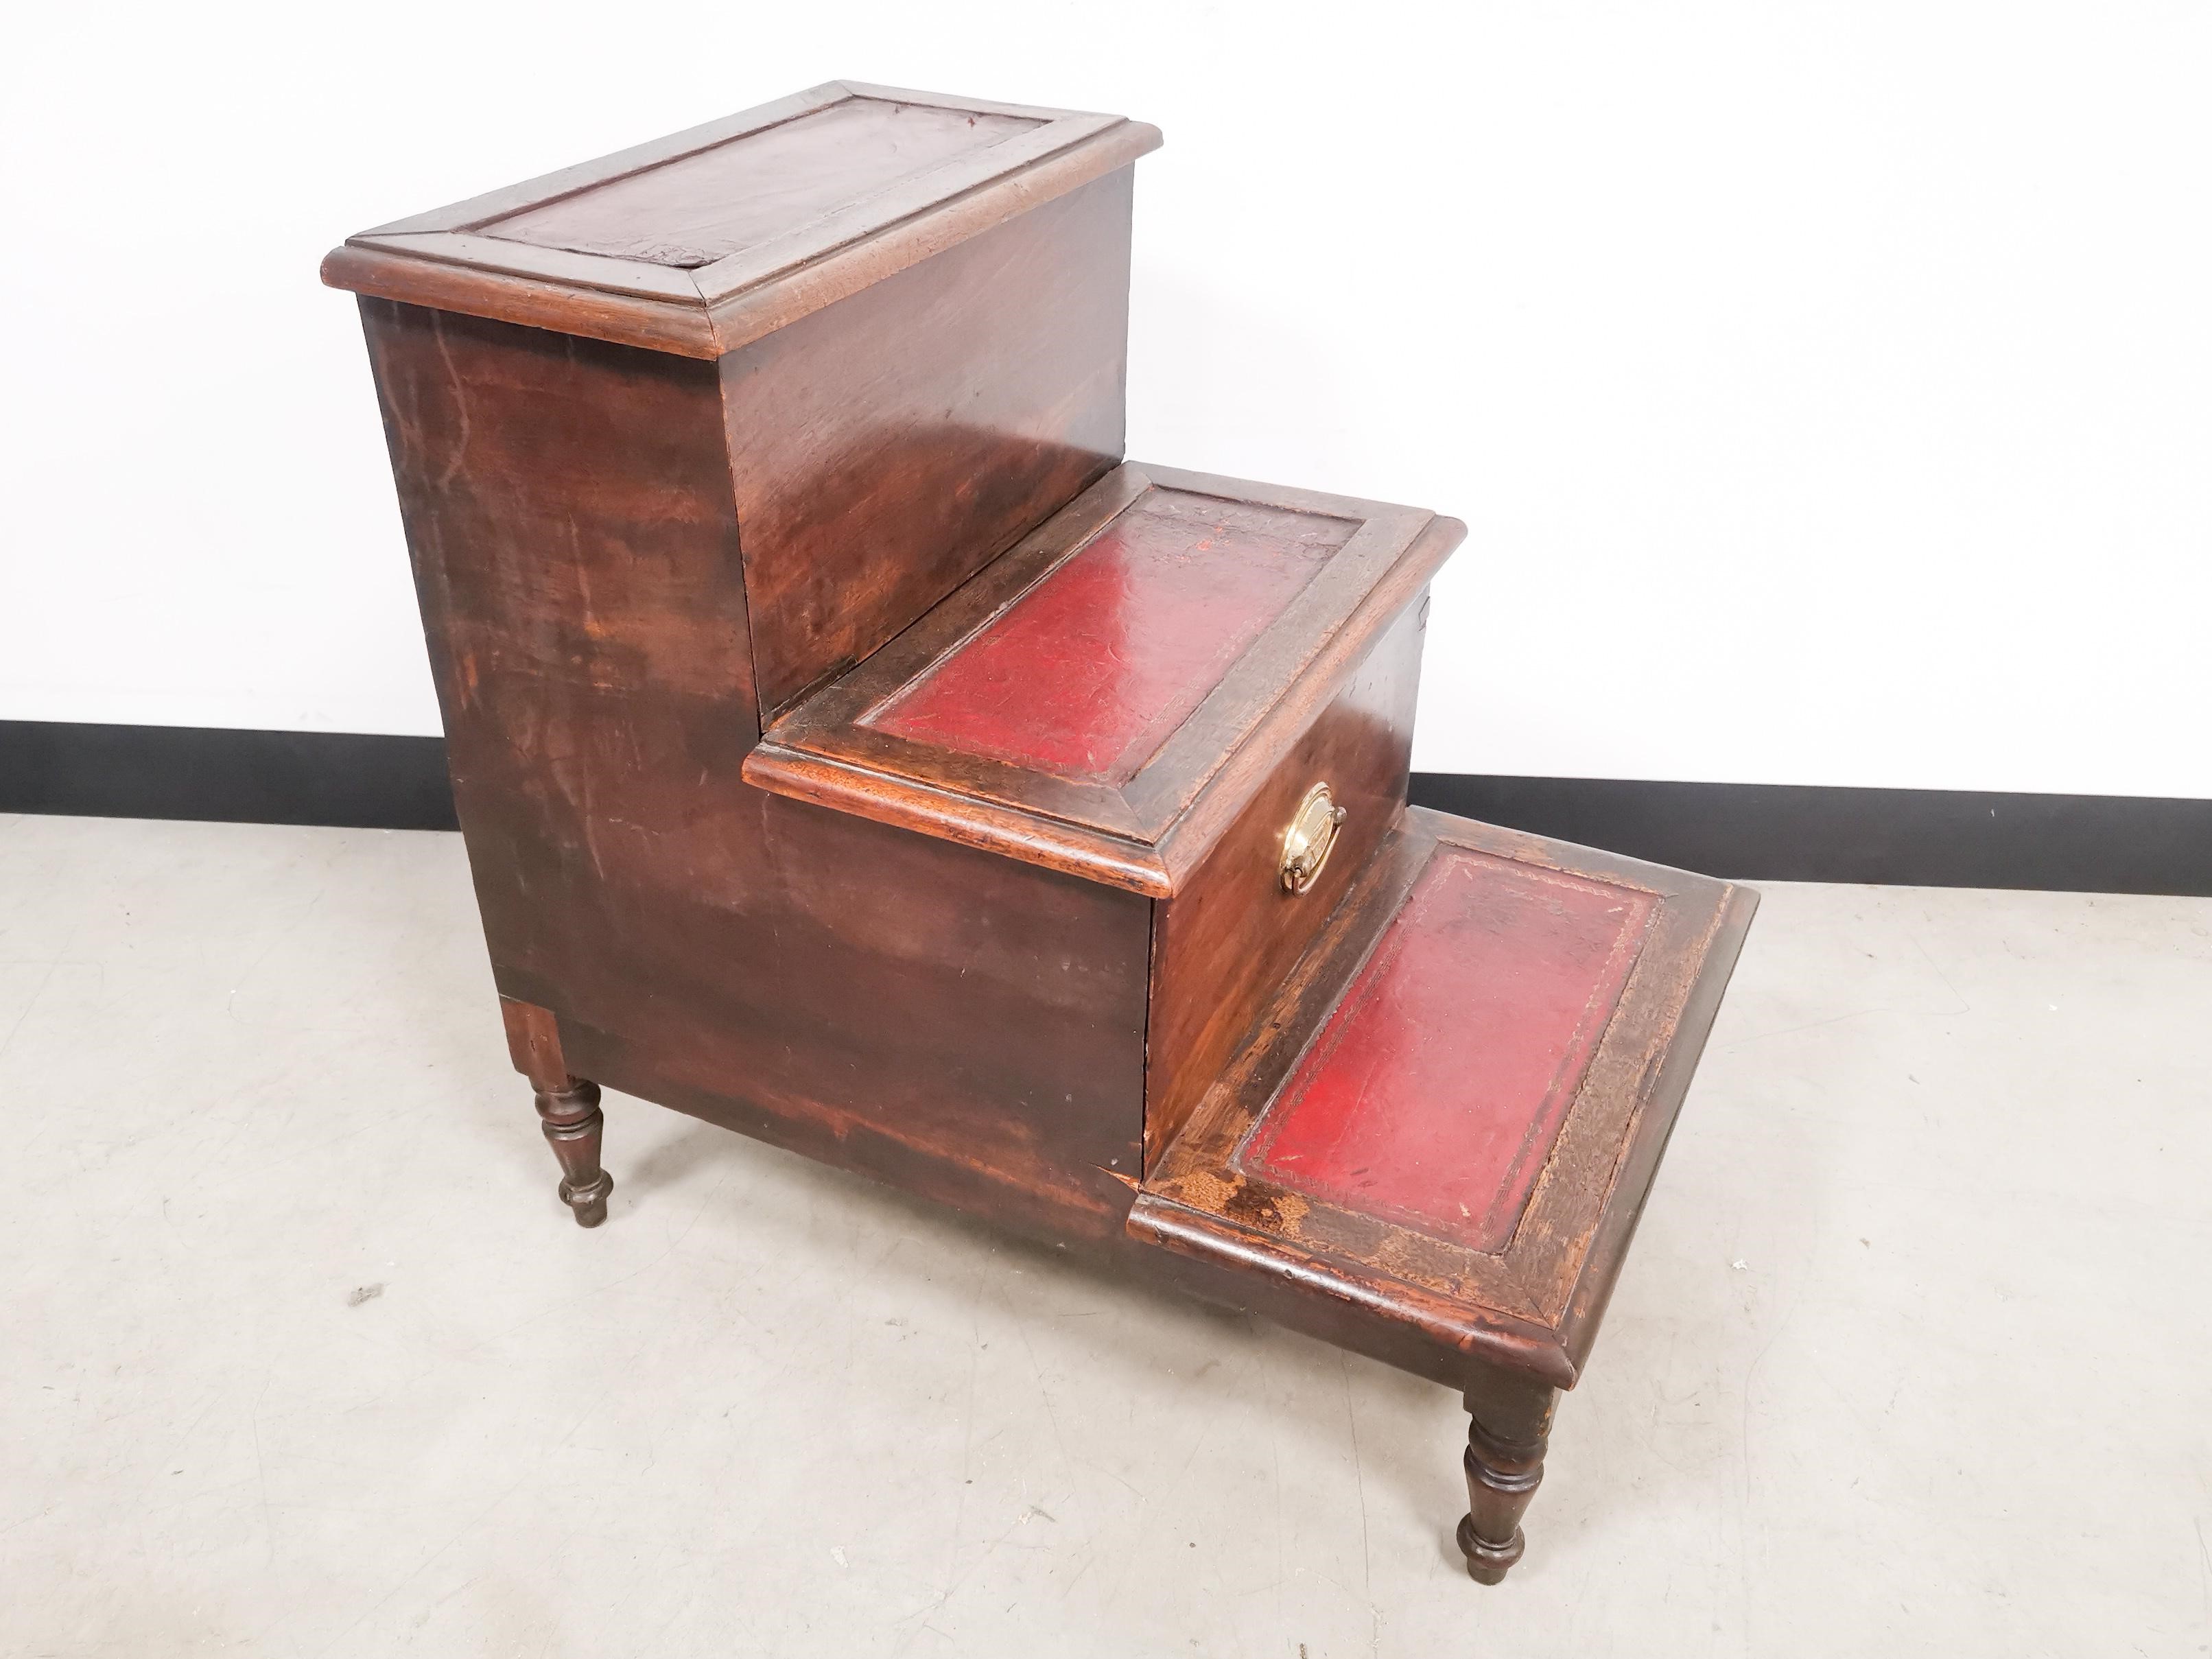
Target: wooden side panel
(1437, 1089)
(887, 446)
(1128, 636)
(1225, 943)
(950, 1021)
(955, 1022)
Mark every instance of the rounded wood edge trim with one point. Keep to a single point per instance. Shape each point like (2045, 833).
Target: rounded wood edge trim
(716, 327)
(905, 804)
(1175, 1227)
(625, 319)
(1242, 772)
(764, 307)
(1651, 1129)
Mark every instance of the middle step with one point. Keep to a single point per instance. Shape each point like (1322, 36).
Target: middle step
(1193, 687)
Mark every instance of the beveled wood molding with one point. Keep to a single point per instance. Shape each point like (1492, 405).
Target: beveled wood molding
(1542, 1287)
(447, 259)
(1148, 833)
(1479, 1334)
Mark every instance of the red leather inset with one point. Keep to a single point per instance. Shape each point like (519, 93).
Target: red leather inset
(1434, 1092)
(1090, 672)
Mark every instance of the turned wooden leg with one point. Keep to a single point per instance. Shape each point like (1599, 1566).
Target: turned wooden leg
(1509, 1421)
(567, 1107)
(572, 1122)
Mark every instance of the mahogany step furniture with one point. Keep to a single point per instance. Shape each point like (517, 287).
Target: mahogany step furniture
(853, 750)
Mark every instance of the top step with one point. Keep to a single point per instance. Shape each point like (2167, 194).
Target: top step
(705, 240)
(1107, 697)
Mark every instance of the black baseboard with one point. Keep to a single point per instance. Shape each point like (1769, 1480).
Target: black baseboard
(1752, 832)
(350, 778)
(1903, 837)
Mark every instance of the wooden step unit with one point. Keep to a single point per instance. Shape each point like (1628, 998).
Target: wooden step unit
(853, 750)
(1142, 694)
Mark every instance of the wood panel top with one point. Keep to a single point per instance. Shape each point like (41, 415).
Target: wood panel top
(748, 191)
(702, 242)
(1106, 696)
(1455, 1109)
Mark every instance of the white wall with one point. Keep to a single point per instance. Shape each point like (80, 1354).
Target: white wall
(1829, 387)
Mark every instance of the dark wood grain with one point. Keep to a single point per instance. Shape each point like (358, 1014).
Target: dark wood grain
(1508, 1425)
(737, 195)
(1230, 935)
(567, 1106)
(572, 1124)
(937, 1015)
(886, 447)
(533, 1042)
(616, 239)
(1151, 830)
(805, 424)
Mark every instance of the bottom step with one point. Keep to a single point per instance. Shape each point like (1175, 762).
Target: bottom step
(1437, 1142)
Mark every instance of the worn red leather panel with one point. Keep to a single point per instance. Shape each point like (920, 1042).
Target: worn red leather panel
(1090, 671)
(1433, 1094)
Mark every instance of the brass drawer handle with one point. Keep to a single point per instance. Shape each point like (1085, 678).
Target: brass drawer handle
(1310, 838)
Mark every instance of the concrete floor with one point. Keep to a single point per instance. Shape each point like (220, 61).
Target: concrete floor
(301, 1356)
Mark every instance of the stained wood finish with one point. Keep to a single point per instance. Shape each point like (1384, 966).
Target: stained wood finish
(716, 202)
(1212, 648)
(567, 1106)
(1148, 832)
(805, 422)
(533, 1042)
(1508, 1425)
(568, 507)
(1224, 942)
(886, 449)
(1533, 1305)
(791, 206)
(573, 1126)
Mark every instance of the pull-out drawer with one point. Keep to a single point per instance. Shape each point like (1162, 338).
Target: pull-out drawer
(1441, 1133)
(1191, 688)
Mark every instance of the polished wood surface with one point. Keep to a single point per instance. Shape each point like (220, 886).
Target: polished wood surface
(1534, 1303)
(574, 1126)
(846, 224)
(1149, 831)
(887, 447)
(567, 1106)
(1508, 1426)
(850, 752)
(534, 1042)
(704, 944)
(1225, 942)
(775, 182)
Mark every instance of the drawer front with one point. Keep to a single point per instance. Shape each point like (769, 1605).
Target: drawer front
(1223, 943)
